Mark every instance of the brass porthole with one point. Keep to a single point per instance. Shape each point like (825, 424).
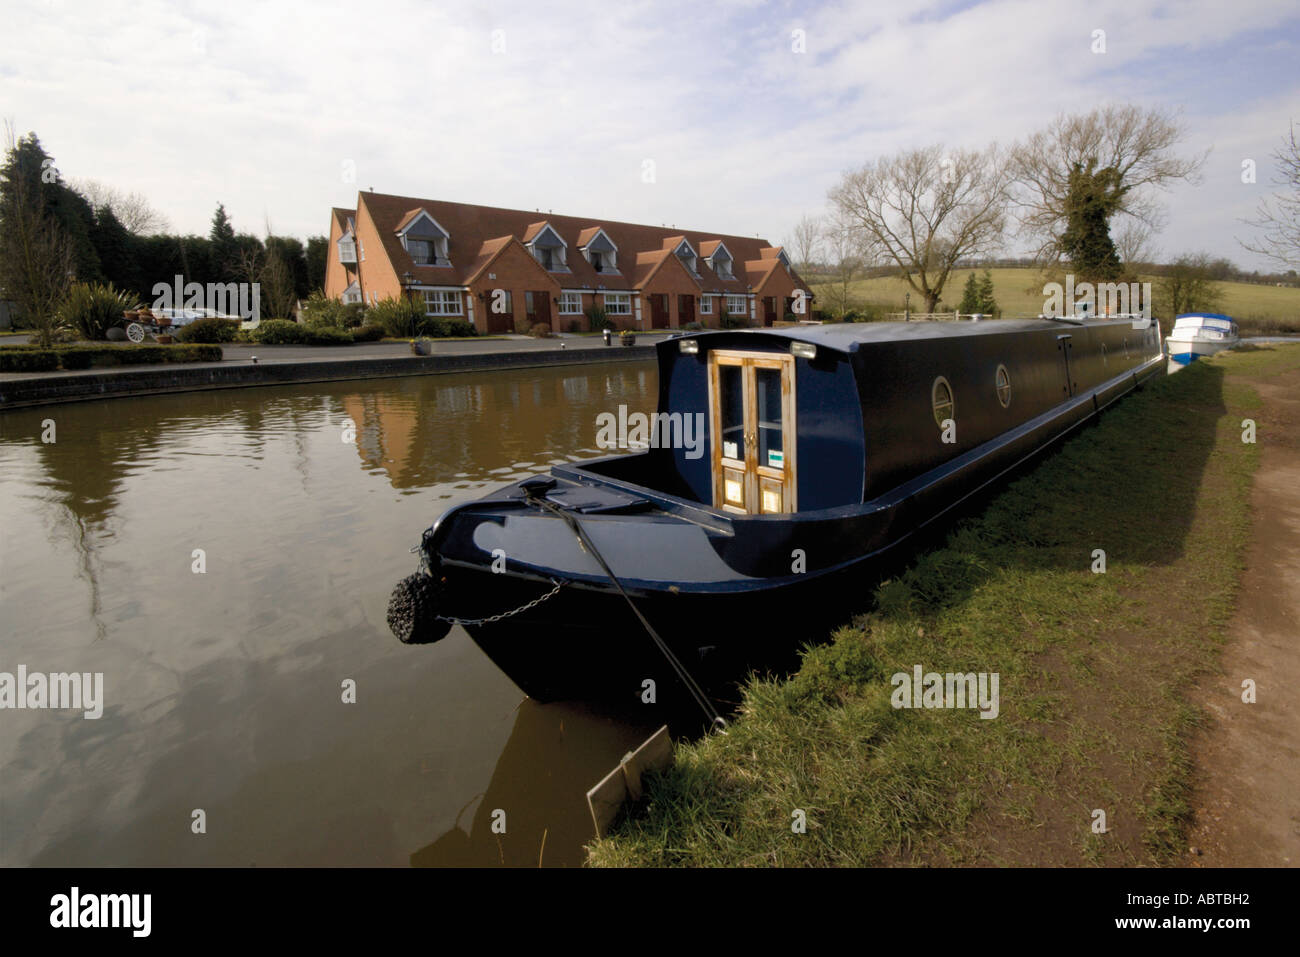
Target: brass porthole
(1003, 381)
(941, 401)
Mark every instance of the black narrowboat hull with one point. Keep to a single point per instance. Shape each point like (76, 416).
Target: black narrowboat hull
(724, 591)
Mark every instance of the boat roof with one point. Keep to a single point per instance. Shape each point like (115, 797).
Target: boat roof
(1203, 315)
(847, 336)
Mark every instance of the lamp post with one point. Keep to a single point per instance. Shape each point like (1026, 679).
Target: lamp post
(408, 283)
(907, 307)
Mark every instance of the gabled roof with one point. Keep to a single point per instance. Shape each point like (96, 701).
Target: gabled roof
(345, 219)
(471, 228)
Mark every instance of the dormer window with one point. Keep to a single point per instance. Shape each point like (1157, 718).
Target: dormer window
(785, 260)
(549, 249)
(424, 240)
(347, 249)
(601, 252)
(686, 253)
(720, 262)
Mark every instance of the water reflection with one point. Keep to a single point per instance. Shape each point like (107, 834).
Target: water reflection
(223, 688)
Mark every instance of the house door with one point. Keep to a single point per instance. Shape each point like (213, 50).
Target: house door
(539, 307)
(685, 309)
(752, 425)
(769, 310)
(659, 311)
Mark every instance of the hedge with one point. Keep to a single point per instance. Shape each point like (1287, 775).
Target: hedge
(30, 359)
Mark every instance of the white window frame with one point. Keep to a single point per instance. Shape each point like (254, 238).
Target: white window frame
(442, 302)
(618, 303)
(706, 305)
(612, 265)
(693, 266)
(570, 304)
(352, 294)
(350, 245)
(737, 310)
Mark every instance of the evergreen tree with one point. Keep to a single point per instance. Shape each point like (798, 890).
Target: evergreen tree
(316, 258)
(115, 247)
(988, 305)
(224, 249)
(970, 301)
(1094, 196)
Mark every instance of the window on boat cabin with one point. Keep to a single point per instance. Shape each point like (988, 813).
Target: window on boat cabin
(618, 303)
(1002, 382)
(570, 303)
(737, 306)
(941, 401)
(441, 303)
(706, 305)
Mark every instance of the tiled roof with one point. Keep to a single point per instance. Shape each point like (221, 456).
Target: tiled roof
(474, 229)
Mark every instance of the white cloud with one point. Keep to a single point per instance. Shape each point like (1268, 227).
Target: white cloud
(259, 105)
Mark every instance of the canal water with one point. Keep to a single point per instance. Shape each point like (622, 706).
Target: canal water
(224, 559)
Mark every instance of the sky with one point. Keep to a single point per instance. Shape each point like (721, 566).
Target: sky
(732, 117)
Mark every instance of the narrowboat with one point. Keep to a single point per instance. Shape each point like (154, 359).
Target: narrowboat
(824, 449)
(1200, 334)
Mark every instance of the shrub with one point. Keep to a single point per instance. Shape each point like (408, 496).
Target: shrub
(460, 328)
(322, 310)
(597, 319)
(326, 336)
(693, 326)
(728, 321)
(28, 360)
(367, 333)
(94, 308)
(431, 327)
(209, 330)
(279, 332)
(540, 330)
(400, 318)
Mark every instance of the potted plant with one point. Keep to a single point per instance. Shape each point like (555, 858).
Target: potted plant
(627, 337)
(422, 346)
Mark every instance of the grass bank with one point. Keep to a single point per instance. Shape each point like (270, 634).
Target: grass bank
(1261, 310)
(1094, 669)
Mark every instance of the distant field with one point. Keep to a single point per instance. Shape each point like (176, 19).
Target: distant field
(1019, 292)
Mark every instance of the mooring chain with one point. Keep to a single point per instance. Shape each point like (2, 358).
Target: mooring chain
(505, 614)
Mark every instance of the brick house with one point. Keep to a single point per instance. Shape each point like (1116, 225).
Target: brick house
(506, 269)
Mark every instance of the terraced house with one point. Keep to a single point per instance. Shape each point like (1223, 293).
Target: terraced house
(506, 270)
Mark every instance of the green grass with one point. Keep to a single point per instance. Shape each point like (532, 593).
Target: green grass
(1019, 292)
(1094, 669)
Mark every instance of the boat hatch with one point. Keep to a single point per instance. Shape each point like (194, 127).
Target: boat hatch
(752, 430)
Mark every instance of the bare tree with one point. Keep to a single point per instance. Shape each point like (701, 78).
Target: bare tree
(804, 242)
(1136, 144)
(131, 209)
(35, 255)
(1186, 286)
(1135, 244)
(924, 210)
(1278, 217)
(844, 248)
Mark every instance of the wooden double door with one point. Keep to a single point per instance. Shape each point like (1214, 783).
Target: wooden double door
(752, 425)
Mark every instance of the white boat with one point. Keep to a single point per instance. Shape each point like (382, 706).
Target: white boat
(1198, 334)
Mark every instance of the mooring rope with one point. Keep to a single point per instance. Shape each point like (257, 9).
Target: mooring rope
(716, 721)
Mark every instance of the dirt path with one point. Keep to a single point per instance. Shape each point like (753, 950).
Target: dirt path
(1247, 757)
